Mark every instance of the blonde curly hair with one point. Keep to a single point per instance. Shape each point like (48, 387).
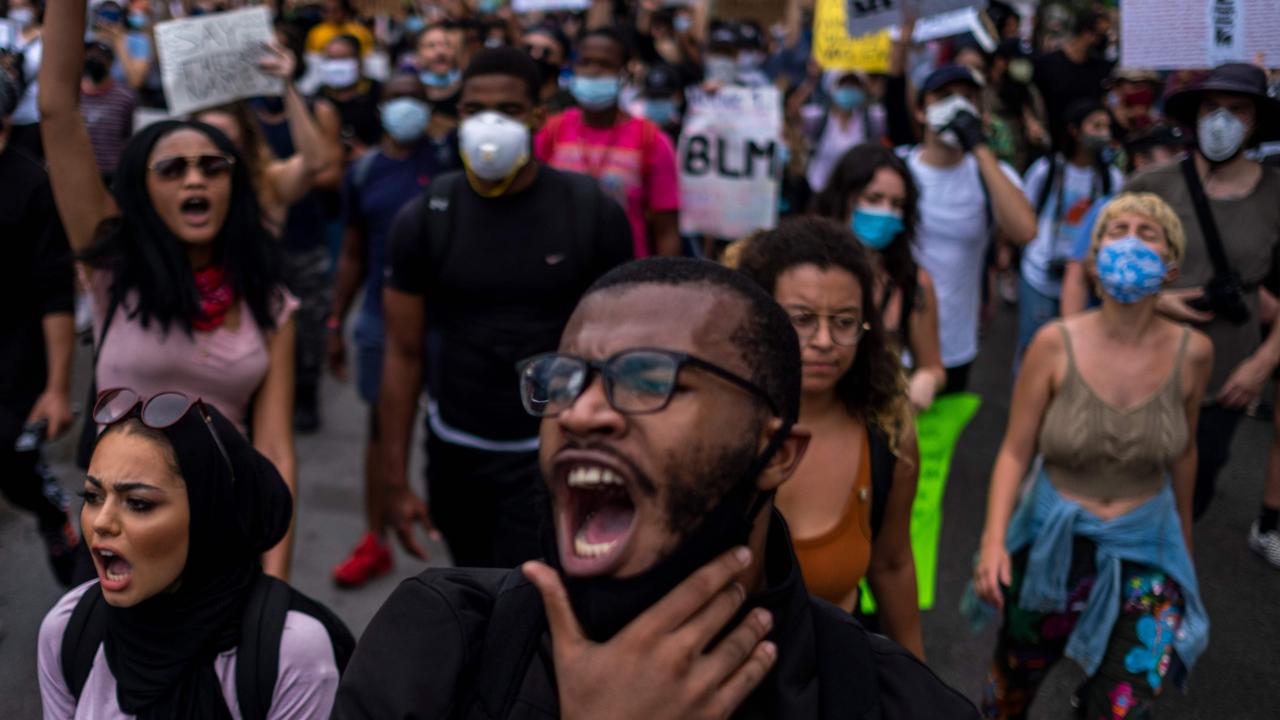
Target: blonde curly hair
(1141, 203)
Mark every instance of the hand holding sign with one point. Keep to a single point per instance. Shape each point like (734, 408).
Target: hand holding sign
(277, 61)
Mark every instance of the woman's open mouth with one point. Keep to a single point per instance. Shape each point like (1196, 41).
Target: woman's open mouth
(596, 517)
(114, 572)
(196, 211)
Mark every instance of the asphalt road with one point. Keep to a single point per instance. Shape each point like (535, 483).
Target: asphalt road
(1238, 677)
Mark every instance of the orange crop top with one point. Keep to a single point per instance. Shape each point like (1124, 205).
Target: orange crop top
(834, 562)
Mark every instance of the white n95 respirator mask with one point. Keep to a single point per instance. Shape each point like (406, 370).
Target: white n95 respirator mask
(494, 146)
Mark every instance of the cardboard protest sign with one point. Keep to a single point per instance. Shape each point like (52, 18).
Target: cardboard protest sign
(866, 16)
(834, 49)
(213, 59)
(1185, 34)
(729, 161)
(937, 432)
(549, 5)
(765, 12)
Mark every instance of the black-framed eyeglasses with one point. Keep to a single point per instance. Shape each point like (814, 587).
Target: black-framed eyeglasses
(636, 381)
(160, 411)
(845, 329)
(174, 167)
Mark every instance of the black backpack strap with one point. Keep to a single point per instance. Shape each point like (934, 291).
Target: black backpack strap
(438, 212)
(258, 654)
(80, 640)
(883, 465)
(1043, 198)
(1204, 214)
(515, 630)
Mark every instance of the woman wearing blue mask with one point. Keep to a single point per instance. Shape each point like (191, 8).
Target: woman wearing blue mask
(1095, 563)
(871, 190)
(851, 118)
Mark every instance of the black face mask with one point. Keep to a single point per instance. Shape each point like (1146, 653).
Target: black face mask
(548, 71)
(604, 605)
(269, 105)
(96, 70)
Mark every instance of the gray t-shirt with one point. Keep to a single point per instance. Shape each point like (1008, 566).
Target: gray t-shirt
(1250, 230)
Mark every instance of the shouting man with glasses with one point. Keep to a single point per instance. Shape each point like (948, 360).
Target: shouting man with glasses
(669, 586)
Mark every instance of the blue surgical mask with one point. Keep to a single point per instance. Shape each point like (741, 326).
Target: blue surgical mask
(662, 111)
(848, 98)
(405, 119)
(876, 228)
(595, 93)
(1129, 271)
(138, 21)
(414, 24)
(681, 23)
(439, 80)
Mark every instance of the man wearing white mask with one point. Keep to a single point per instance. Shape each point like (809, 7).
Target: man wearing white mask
(966, 197)
(1233, 248)
(355, 96)
(496, 258)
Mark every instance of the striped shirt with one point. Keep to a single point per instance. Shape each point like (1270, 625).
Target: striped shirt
(108, 115)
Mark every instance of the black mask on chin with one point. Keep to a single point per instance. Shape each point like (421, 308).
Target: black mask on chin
(96, 70)
(604, 605)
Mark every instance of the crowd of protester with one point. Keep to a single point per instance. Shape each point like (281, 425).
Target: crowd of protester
(667, 452)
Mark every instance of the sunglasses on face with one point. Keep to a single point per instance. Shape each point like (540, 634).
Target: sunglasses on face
(636, 381)
(158, 412)
(175, 167)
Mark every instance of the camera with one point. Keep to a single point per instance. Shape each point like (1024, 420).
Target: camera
(1057, 268)
(1224, 297)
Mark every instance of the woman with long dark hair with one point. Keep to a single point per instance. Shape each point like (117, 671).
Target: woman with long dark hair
(178, 507)
(872, 192)
(849, 502)
(182, 275)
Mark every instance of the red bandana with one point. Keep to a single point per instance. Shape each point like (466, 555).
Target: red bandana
(216, 297)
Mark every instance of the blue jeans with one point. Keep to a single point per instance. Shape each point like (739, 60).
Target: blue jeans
(1034, 310)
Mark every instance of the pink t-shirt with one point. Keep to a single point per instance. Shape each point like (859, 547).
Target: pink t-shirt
(306, 686)
(633, 160)
(223, 367)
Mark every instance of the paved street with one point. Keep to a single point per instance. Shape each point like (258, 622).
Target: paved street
(1236, 678)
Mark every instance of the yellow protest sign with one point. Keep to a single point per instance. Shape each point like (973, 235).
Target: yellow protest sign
(835, 50)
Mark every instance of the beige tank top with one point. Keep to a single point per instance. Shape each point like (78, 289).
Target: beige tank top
(1094, 449)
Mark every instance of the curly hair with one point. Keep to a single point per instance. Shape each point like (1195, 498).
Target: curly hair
(874, 389)
(1142, 203)
(850, 177)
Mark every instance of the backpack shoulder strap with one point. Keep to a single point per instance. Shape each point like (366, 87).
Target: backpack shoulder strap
(515, 629)
(1043, 198)
(258, 654)
(883, 466)
(82, 637)
(438, 212)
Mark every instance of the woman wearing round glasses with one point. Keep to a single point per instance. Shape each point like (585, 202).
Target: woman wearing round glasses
(849, 502)
(178, 508)
(183, 277)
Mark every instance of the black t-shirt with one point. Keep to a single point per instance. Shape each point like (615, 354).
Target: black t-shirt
(506, 282)
(361, 118)
(36, 277)
(1062, 82)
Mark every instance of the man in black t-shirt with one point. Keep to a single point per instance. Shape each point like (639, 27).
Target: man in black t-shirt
(1078, 70)
(497, 258)
(36, 336)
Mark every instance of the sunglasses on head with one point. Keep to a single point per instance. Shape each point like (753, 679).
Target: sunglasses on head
(160, 411)
(174, 167)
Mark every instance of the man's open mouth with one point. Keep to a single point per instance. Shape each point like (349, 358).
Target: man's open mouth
(596, 515)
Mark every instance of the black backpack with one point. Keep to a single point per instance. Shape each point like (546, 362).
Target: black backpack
(257, 654)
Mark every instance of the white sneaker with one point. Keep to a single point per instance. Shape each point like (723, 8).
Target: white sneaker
(1265, 544)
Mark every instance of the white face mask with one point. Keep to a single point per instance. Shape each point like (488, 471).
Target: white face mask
(493, 145)
(941, 113)
(22, 16)
(340, 72)
(1220, 135)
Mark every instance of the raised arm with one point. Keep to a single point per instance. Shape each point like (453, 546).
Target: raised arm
(293, 177)
(78, 191)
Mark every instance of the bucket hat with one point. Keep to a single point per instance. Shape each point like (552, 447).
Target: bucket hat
(1239, 78)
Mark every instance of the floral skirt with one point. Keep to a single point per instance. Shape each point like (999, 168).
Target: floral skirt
(1139, 654)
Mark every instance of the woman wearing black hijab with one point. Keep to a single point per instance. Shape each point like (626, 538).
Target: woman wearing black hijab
(178, 508)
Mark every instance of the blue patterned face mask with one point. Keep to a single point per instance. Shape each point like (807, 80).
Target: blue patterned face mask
(1129, 270)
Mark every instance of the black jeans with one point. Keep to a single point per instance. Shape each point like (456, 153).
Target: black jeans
(486, 504)
(1213, 445)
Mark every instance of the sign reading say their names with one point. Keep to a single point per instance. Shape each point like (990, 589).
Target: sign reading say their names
(866, 16)
(213, 59)
(729, 161)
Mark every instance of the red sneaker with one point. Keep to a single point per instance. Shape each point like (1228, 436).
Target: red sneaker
(370, 559)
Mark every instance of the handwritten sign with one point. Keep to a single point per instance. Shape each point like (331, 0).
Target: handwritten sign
(549, 5)
(938, 430)
(1198, 33)
(729, 162)
(866, 16)
(213, 59)
(834, 49)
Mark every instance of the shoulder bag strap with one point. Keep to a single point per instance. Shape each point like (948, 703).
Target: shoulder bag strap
(81, 638)
(1204, 214)
(258, 654)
